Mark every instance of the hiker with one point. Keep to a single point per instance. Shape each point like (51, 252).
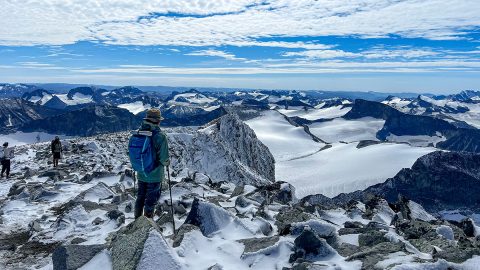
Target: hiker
(6, 154)
(56, 151)
(148, 152)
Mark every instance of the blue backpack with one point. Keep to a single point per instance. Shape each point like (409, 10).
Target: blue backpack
(141, 151)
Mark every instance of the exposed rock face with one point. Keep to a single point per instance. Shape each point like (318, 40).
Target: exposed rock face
(72, 257)
(16, 112)
(15, 90)
(179, 115)
(227, 150)
(433, 181)
(86, 122)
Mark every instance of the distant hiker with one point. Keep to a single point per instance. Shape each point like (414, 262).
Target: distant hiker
(6, 154)
(148, 152)
(56, 151)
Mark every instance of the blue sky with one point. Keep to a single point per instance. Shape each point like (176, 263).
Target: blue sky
(380, 45)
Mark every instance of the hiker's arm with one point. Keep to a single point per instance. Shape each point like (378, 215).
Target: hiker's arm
(163, 151)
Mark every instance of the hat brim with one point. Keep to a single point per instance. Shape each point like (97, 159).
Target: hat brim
(154, 119)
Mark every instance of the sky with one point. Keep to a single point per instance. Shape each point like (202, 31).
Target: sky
(365, 45)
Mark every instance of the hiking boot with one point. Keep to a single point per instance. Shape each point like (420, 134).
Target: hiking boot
(149, 215)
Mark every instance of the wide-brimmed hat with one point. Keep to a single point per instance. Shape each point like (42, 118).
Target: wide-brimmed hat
(154, 115)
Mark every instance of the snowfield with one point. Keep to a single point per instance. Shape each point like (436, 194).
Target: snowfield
(317, 113)
(135, 107)
(347, 130)
(342, 167)
(284, 141)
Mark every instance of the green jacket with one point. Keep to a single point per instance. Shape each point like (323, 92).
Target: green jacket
(161, 147)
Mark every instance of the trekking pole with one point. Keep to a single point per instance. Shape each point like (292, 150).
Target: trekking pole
(135, 184)
(171, 200)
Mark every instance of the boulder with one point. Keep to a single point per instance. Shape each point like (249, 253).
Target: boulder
(310, 247)
(287, 216)
(256, 244)
(141, 246)
(71, 257)
(208, 217)
(371, 238)
(185, 228)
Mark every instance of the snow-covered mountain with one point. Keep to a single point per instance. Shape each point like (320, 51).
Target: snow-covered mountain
(462, 110)
(231, 209)
(15, 90)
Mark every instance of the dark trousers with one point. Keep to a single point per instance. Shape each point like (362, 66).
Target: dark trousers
(147, 197)
(6, 167)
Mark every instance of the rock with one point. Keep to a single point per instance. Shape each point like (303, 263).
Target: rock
(345, 249)
(310, 247)
(456, 255)
(256, 244)
(468, 227)
(286, 194)
(28, 173)
(77, 240)
(353, 225)
(321, 229)
(114, 214)
(237, 191)
(141, 246)
(216, 267)
(17, 188)
(371, 238)
(91, 146)
(372, 255)
(185, 228)
(446, 232)
(241, 201)
(97, 221)
(179, 208)
(129, 207)
(72, 257)
(39, 193)
(34, 226)
(54, 174)
(208, 217)
(287, 216)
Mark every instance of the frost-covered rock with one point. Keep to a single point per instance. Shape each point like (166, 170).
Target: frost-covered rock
(310, 247)
(71, 257)
(227, 150)
(141, 246)
(208, 217)
(157, 254)
(446, 232)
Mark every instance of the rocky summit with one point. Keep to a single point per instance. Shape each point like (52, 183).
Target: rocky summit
(229, 211)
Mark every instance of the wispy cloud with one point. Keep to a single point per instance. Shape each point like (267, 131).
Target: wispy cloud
(37, 65)
(230, 22)
(216, 53)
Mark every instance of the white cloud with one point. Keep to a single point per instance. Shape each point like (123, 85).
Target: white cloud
(216, 53)
(230, 22)
(321, 54)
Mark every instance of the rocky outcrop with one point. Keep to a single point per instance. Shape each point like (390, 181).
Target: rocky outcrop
(86, 122)
(140, 245)
(17, 112)
(226, 150)
(434, 180)
(72, 257)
